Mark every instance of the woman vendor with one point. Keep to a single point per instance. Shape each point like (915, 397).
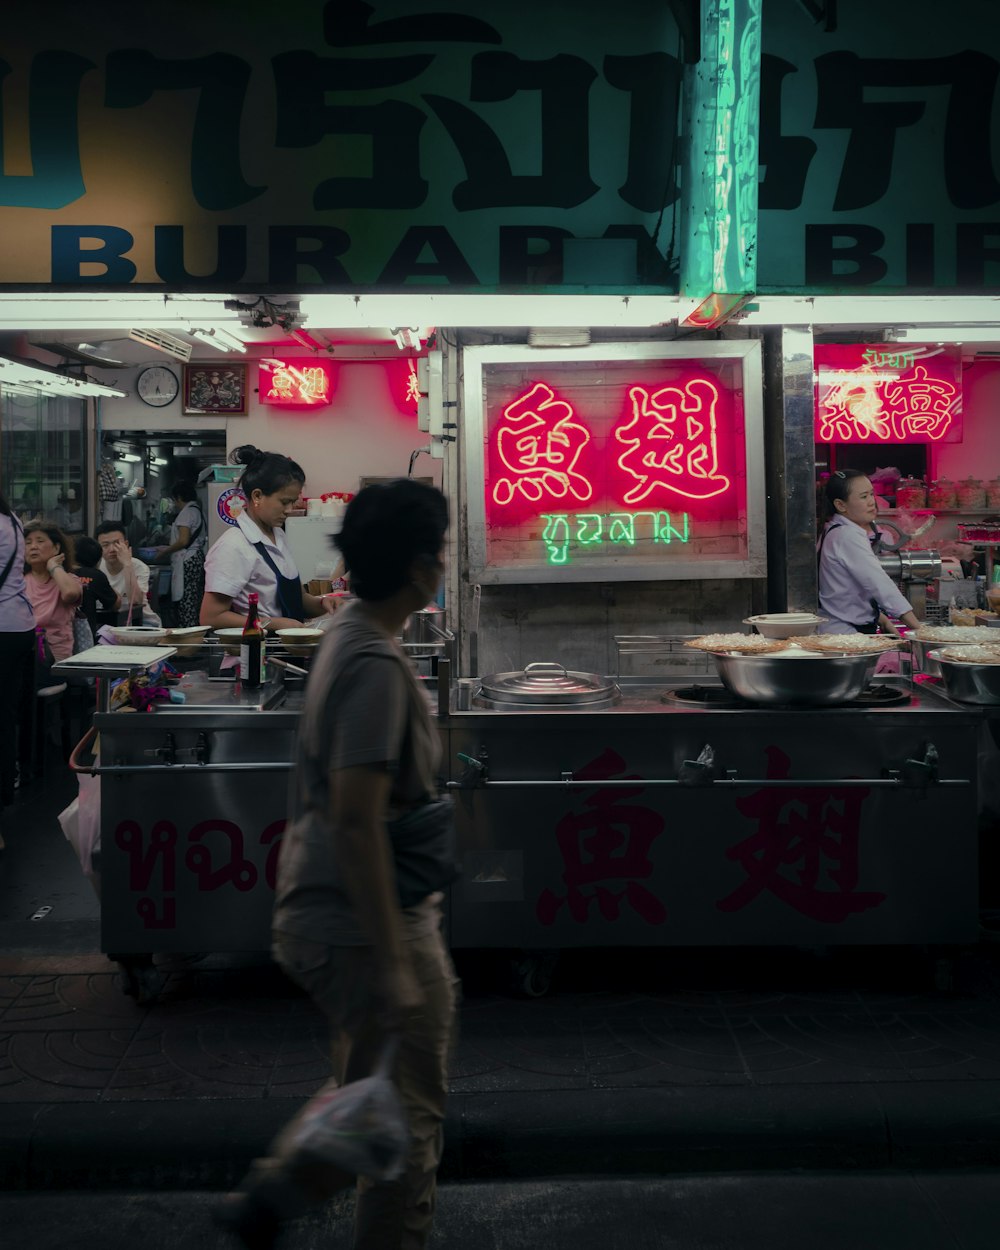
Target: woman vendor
(186, 555)
(855, 592)
(254, 556)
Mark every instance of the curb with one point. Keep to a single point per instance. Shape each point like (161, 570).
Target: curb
(209, 1143)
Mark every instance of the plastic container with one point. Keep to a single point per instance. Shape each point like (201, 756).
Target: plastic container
(971, 494)
(942, 494)
(911, 492)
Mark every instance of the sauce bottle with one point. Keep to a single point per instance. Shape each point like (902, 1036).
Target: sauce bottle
(252, 648)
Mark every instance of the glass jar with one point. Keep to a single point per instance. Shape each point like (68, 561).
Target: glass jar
(911, 492)
(942, 494)
(993, 493)
(971, 494)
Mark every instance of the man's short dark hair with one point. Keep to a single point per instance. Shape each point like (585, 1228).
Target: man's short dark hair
(111, 527)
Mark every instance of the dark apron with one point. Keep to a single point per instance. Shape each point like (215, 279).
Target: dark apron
(289, 588)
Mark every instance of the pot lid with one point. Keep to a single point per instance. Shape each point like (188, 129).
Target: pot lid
(547, 683)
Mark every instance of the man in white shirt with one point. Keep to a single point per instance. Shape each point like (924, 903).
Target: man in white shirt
(128, 576)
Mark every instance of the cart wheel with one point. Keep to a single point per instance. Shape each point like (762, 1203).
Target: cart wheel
(532, 973)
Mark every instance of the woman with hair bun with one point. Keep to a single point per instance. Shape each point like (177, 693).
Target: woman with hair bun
(855, 592)
(253, 556)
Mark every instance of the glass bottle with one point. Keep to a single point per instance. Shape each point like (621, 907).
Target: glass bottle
(252, 647)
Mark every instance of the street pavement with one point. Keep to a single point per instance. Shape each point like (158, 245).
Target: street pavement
(651, 1098)
(953, 1210)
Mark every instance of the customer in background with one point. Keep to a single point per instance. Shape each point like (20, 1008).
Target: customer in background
(100, 599)
(128, 576)
(186, 556)
(855, 592)
(50, 585)
(367, 752)
(17, 640)
(253, 555)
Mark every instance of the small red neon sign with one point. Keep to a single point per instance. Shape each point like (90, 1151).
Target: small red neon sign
(880, 394)
(298, 383)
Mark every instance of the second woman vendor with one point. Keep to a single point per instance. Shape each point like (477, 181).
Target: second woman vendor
(254, 556)
(855, 592)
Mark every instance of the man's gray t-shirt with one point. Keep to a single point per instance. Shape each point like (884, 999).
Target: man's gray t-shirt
(364, 705)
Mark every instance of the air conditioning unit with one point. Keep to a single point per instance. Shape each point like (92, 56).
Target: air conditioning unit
(163, 342)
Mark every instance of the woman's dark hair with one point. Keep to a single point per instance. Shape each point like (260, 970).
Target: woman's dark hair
(266, 471)
(838, 486)
(61, 540)
(184, 491)
(88, 552)
(386, 527)
(5, 508)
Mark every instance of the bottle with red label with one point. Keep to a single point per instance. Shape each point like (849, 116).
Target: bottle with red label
(252, 647)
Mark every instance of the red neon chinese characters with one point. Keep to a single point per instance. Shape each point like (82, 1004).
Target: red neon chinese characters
(886, 398)
(303, 385)
(539, 445)
(803, 836)
(672, 442)
(609, 842)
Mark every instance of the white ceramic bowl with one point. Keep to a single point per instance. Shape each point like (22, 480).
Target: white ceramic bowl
(785, 624)
(230, 638)
(299, 640)
(188, 639)
(139, 635)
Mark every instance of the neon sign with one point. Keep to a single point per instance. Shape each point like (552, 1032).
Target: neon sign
(296, 383)
(617, 528)
(867, 395)
(539, 445)
(672, 441)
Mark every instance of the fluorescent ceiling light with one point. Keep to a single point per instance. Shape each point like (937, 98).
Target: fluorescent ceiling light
(219, 338)
(944, 334)
(131, 457)
(305, 339)
(45, 382)
(162, 342)
(407, 337)
(160, 461)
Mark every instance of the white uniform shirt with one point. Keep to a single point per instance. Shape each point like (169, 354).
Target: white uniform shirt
(234, 567)
(850, 577)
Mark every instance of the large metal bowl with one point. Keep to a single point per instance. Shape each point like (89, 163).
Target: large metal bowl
(969, 683)
(814, 680)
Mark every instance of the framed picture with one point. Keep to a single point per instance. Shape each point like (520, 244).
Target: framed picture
(211, 389)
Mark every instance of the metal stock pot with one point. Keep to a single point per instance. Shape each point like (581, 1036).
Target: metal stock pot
(547, 685)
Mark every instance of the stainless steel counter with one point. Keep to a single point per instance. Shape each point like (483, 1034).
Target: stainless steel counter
(596, 826)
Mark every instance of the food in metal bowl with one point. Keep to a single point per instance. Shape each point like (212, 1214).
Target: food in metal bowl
(796, 677)
(849, 644)
(945, 635)
(745, 644)
(969, 680)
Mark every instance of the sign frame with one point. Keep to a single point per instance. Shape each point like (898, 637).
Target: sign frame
(612, 568)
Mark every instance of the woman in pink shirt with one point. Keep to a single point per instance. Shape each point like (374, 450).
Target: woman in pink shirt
(52, 589)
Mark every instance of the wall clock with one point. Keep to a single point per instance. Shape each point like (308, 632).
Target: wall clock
(157, 386)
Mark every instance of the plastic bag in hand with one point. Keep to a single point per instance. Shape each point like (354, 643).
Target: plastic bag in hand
(360, 1128)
